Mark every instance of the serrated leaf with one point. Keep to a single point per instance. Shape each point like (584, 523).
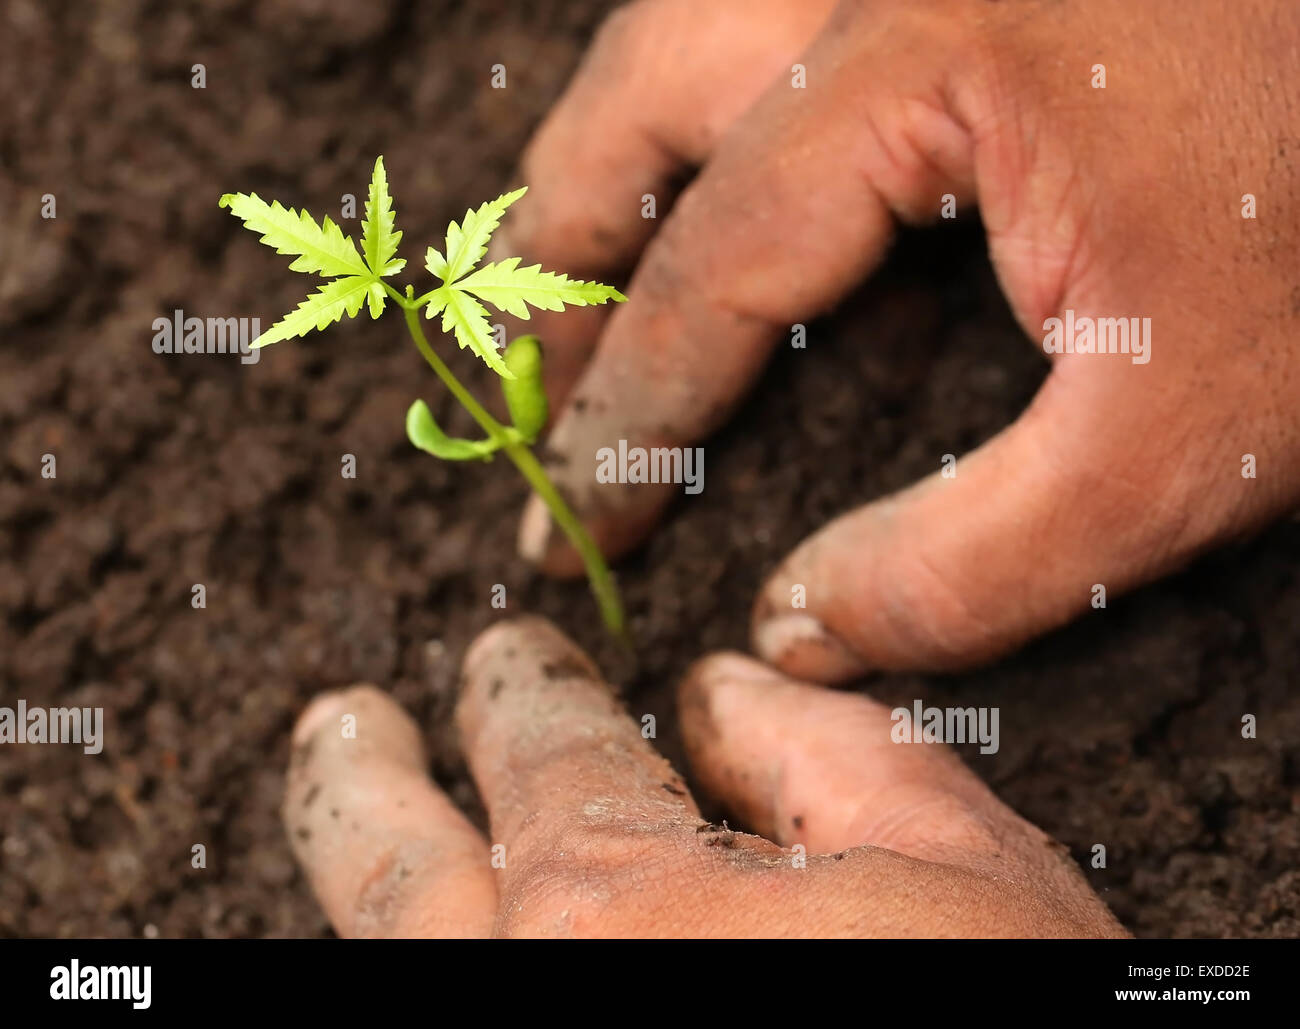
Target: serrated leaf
(425, 434)
(378, 240)
(437, 302)
(503, 284)
(376, 298)
(509, 288)
(468, 319)
(468, 241)
(318, 248)
(327, 305)
(436, 263)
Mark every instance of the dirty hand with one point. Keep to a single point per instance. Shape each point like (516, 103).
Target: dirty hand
(1128, 201)
(594, 834)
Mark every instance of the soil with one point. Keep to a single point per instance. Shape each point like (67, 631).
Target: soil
(1122, 730)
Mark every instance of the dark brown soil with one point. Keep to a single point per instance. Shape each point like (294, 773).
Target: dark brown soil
(1121, 730)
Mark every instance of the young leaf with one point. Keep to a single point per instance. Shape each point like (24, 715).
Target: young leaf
(425, 434)
(465, 316)
(378, 240)
(319, 248)
(468, 241)
(503, 284)
(525, 395)
(376, 298)
(327, 305)
(509, 288)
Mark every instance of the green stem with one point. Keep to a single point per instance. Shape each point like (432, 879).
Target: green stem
(598, 573)
(491, 426)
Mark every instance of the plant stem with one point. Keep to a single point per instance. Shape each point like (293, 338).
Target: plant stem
(598, 573)
(491, 426)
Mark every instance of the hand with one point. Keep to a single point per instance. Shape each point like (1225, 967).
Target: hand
(1116, 202)
(596, 835)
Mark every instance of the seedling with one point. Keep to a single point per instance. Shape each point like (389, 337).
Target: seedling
(357, 278)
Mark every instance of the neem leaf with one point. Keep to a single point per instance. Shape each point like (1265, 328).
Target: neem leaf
(503, 284)
(509, 288)
(327, 305)
(468, 241)
(425, 434)
(378, 240)
(376, 298)
(436, 263)
(465, 316)
(319, 248)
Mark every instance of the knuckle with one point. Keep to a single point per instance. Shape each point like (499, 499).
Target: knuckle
(587, 876)
(558, 895)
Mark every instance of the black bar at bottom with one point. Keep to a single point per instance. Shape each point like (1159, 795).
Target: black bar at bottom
(336, 978)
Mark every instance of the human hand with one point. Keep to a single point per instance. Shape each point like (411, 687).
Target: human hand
(1116, 202)
(595, 835)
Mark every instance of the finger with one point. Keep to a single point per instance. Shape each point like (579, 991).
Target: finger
(387, 853)
(659, 86)
(802, 764)
(1044, 521)
(916, 845)
(794, 208)
(557, 760)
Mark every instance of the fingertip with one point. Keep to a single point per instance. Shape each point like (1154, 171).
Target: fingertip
(802, 647)
(322, 708)
(802, 763)
(536, 543)
(730, 707)
(502, 642)
(363, 716)
(386, 852)
(514, 653)
(714, 671)
(708, 693)
(332, 705)
(545, 736)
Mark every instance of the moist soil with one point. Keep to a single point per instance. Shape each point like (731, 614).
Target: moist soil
(1121, 730)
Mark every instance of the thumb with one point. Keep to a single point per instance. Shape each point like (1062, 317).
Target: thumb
(826, 770)
(1083, 496)
(803, 764)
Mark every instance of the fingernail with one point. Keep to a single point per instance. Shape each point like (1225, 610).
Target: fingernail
(322, 709)
(534, 531)
(729, 667)
(714, 687)
(801, 646)
(484, 647)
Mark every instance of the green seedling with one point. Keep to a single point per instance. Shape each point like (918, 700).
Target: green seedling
(357, 278)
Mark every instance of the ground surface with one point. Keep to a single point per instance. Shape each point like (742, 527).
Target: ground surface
(1121, 730)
